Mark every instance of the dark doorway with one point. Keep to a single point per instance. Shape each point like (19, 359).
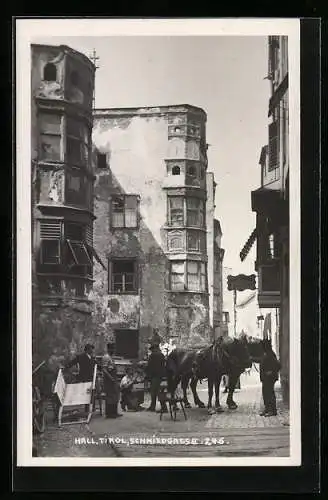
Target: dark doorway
(127, 343)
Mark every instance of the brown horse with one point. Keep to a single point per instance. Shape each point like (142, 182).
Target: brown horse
(225, 356)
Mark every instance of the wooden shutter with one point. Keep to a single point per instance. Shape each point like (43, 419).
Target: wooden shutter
(273, 145)
(50, 229)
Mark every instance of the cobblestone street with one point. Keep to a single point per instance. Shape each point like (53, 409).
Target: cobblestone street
(243, 431)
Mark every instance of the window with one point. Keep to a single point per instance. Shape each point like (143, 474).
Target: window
(50, 235)
(192, 171)
(101, 160)
(123, 276)
(50, 136)
(50, 73)
(226, 318)
(176, 170)
(176, 211)
(188, 275)
(273, 145)
(78, 254)
(177, 275)
(196, 276)
(68, 245)
(193, 241)
(125, 211)
(76, 188)
(77, 145)
(50, 252)
(195, 212)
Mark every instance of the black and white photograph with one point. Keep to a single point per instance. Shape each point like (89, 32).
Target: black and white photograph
(158, 242)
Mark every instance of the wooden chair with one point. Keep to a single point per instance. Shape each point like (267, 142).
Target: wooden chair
(166, 399)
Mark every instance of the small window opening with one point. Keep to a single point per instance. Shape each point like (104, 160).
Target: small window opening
(176, 170)
(50, 73)
(101, 160)
(192, 170)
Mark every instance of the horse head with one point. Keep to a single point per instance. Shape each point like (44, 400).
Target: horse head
(239, 354)
(255, 349)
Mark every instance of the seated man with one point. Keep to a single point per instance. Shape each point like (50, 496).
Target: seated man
(128, 399)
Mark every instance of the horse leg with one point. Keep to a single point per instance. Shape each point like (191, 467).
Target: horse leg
(184, 385)
(218, 407)
(193, 385)
(232, 384)
(210, 392)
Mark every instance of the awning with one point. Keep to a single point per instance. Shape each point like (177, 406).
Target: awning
(248, 245)
(265, 200)
(278, 95)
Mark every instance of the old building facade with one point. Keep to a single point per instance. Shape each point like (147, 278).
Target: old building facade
(215, 259)
(271, 204)
(150, 227)
(62, 85)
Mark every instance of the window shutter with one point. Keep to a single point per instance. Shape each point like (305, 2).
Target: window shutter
(50, 229)
(273, 145)
(89, 235)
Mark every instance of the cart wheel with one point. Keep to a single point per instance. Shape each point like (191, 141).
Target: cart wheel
(39, 422)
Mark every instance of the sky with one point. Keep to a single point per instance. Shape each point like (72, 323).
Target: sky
(224, 75)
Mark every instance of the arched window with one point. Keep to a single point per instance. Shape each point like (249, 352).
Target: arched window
(74, 78)
(176, 170)
(50, 72)
(192, 171)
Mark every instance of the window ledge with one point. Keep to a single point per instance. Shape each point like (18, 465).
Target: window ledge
(195, 228)
(187, 291)
(66, 276)
(124, 293)
(67, 207)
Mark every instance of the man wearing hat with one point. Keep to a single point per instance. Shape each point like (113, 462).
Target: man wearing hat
(86, 364)
(269, 370)
(111, 385)
(155, 372)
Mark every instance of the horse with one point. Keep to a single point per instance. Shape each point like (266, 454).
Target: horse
(225, 356)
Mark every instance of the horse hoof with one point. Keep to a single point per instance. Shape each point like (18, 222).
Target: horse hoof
(232, 406)
(200, 405)
(187, 405)
(210, 411)
(219, 409)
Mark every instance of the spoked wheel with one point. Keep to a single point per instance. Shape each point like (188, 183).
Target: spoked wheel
(39, 414)
(39, 422)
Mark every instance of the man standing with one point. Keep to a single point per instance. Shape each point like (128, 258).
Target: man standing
(111, 386)
(269, 370)
(156, 371)
(86, 364)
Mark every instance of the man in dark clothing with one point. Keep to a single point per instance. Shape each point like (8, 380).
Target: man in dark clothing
(269, 370)
(86, 363)
(156, 371)
(111, 385)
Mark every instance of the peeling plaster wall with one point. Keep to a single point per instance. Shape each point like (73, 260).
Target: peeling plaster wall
(135, 149)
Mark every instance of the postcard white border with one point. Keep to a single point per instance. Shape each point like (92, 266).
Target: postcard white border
(26, 31)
